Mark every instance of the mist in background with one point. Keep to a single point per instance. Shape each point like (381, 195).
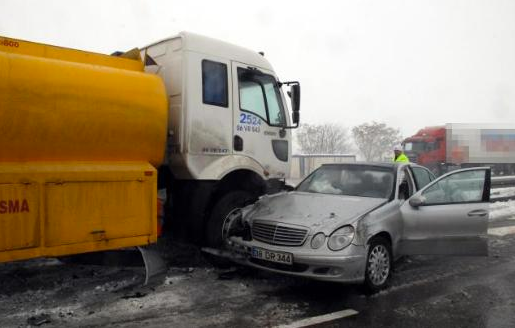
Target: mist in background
(409, 64)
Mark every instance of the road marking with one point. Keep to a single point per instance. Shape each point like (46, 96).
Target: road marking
(320, 319)
(502, 231)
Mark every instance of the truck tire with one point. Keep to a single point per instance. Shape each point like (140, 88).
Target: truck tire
(225, 205)
(379, 266)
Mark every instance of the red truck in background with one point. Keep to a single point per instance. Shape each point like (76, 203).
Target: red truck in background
(459, 145)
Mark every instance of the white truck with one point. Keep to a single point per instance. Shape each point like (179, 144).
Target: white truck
(229, 138)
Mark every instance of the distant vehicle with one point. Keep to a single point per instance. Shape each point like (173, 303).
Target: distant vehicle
(444, 148)
(348, 222)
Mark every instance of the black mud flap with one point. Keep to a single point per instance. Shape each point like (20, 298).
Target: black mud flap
(154, 263)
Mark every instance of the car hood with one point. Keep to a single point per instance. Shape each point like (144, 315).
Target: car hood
(318, 212)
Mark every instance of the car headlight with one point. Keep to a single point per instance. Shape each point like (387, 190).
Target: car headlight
(341, 238)
(318, 240)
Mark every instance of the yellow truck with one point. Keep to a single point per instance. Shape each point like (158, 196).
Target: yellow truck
(83, 137)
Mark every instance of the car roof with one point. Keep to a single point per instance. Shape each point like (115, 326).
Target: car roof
(392, 165)
(378, 164)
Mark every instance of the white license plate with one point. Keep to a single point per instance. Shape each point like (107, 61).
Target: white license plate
(272, 256)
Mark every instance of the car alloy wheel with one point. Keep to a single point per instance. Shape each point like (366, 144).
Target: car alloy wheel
(378, 268)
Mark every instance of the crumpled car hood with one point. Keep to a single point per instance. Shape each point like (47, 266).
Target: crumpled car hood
(319, 212)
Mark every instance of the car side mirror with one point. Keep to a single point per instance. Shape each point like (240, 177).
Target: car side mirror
(288, 187)
(417, 201)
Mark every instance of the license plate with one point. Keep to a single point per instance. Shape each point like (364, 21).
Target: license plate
(272, 256)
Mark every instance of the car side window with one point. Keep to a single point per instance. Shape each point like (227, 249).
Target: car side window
(460, 187)
(214, 83)
(422, 177)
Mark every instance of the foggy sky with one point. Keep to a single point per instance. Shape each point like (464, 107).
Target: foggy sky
(407, 63)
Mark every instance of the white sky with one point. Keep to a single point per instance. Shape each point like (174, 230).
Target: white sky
(407, 63)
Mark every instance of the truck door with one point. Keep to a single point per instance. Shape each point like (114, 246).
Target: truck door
(449, 216)
(260, 115)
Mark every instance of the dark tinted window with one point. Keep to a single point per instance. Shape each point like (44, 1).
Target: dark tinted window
(214, 83)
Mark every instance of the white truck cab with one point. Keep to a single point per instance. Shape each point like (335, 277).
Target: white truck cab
(229, 137)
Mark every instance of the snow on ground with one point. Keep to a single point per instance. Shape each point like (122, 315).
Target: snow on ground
(502, 192)
(502, 211)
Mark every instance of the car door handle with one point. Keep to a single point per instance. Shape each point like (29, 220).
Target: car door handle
(477, 213)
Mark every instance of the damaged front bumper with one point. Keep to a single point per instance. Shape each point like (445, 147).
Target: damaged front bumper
(345, 266)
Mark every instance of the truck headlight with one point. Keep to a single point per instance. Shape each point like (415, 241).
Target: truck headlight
(318, 240)
(341, 238)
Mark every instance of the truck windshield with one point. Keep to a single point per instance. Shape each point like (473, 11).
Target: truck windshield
(416, 146)
(260, 95)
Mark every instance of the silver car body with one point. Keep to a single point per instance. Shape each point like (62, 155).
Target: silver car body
(447, 216)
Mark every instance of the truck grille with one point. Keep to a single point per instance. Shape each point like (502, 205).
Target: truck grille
(278, 234)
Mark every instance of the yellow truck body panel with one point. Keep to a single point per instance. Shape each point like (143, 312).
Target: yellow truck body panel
(80, 136)
(49, 209)
(59, 104)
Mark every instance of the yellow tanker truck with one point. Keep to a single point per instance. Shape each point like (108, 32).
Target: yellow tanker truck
(83, 137)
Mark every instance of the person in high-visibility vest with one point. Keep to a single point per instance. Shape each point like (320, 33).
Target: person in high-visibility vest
(399, 155)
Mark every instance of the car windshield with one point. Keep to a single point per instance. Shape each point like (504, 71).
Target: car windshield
(351, 180)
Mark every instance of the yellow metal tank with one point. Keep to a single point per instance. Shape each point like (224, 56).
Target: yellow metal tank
(59, 104)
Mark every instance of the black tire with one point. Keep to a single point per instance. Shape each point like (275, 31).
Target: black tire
(225, 205)
(379, 265)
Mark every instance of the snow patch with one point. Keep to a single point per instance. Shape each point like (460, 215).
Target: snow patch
(502, 211)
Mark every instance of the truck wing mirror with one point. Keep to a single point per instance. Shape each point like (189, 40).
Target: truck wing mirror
(294, 94)
(295, 102)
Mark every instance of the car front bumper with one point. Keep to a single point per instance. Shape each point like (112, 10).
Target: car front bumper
(345, 266)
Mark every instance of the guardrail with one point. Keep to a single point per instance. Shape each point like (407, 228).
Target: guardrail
(503, 181)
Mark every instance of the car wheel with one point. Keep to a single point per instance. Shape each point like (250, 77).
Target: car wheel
(379, 265)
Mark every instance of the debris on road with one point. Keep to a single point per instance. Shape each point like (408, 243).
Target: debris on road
(135, 295)
(39, 320)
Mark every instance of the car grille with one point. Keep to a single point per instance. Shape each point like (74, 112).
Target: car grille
(278, 234)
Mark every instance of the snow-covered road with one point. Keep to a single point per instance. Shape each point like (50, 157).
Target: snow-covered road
(500, 211)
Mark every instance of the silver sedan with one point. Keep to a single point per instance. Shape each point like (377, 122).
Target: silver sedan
(348, 222)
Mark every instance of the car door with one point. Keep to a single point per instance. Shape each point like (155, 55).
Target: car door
(449, 216)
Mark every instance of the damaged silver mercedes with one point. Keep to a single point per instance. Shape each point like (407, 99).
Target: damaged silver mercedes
(349, 222)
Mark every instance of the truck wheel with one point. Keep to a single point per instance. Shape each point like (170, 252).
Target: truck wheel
(221, 211)
(379, 265)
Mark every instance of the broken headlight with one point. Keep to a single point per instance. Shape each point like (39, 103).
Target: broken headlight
(341, 238)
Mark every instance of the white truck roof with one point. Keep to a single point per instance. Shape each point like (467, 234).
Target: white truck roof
(202, 44)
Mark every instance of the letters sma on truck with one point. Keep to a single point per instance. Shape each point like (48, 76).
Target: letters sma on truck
(14, 206)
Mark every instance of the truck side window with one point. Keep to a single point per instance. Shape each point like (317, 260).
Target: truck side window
(251, 98)
(214, 83)
(260, 95)
(275, 110)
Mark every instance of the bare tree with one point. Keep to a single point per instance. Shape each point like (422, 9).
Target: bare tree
(328, 138)
(375, 140)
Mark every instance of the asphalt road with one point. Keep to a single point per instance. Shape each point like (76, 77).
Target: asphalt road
(425, 292)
